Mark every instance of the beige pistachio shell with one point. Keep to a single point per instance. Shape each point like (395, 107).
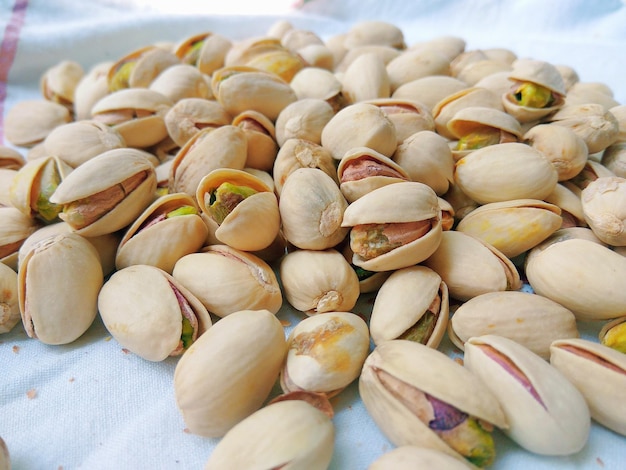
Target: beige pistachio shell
(410, 457)
(159, 239)
(366, 78)
(470, 266)
(473, 118)
(465, 58)
(281, 62)
(91, 89)
(261, 137)
(208, 150)
(547, 415)
(181, 81)
(414, 64)
(429, 371)
(303, 119)
(28, 122)
(599, 372)
(408, 116)
(319, 281)
(39, 281)
(359, 125)
(429, 90)
(145, 65)
(295, 38)
(449, 45)
(411, 304)
(58, 82)
(213, 379)
(289, 434)
(369, 281)
(568, 74)
(529, 319)
(614, 158)
(312, 210)
(5, 458)
(392, 204)
(503, 172)
(189, 115)
(498, 83)
(6, 181)
(427, 159)
(374, 32)
(10, 159)
(118, 202)
(9, 305)
(583, 276)
(362, 170)
(15, 228)
(209, 56)
(317, 83)
(301, 153)
(144, 309)
(474, 72)
(570, 205)
(591, 92)
(604, 208)
(226, 280)
(254, 222)
(240, 89)
(619, 112)
(514, 226)
(325, 353)
(317, 55)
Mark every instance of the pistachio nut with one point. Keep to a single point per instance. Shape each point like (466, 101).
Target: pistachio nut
(599, 372)
(470, 266)
(604, 209)
(613, 334)
(6, 181)
(167, 230)
(181, 81)
(570, 204)
(30, 121)
(5, 460)
(619, 112)
(394, 226)
(139, 68)
(150, 313)
(225, 376)
(325, 353)
(546, 414)
(226, 280)
(319, 281)
(206, 51)
(529, 319)
(409, 457)
(369, 281)
(411, 304)
(261, 137)
(321, 84)
(429, 90)
(15, 229)
(91, 89)
(374, 32)
(408, 116)
(10, 159)
(614, 158)
(58, 82)
(303, 119)
(288, 435)
(365, 78)
(189, 115)
(9, 307)
(419, 396)
(39, 281)
(460, 202)
(107, 192)
(415, 63)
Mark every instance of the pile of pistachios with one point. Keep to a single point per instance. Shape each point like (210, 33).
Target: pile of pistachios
(191, 190)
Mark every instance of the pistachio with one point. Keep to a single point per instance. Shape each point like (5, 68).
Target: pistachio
(9, 307)
(411, 457)
(613, 334)
(5, 460)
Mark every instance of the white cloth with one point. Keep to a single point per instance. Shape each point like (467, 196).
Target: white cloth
(91, 405)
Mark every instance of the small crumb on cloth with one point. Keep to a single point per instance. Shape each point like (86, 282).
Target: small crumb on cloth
(16, 349)
(32, 393)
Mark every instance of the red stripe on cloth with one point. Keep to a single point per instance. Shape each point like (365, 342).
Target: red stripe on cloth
(8, 48)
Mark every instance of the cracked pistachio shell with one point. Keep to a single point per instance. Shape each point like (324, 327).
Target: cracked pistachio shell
(28, 122)
(181, 81)
(281, 62)
(15, 229)
(9, 306)
(582, 275)
(389, 207)
(359, 125)
(362, 170)
(160, 237)
(58, 83)
(319, 281)
(10, 159)
(369, 281)
(226, 280)
(590, 172)
(205, 50)
(410, 457)
(429, 90)
(254, 222)
(261, 137)
(325, 353)
(418, 367)
(599, 372)
(366, 78)
(46, 315)
(470, 266)
(612, 334)
(289, 435)
(106, 193)
(604, 209)
(240, 88)
(529, 319)
(139, 68)
(208, 150)
(514, 226)
(144, 309)
(547, 415)
(408, 116)
(411, 304)
(189, 115)
(312, 209)
(303, 119)
(502, 172)
(229, 371)
(136, 113)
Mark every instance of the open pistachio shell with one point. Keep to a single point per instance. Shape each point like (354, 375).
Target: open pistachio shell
(470, 266)
(599, 372)
(319, 281)
(614, 158)
(289, 435)
(529, 319)
(90, 89)
(369, 281)
(205, 50)
(402, 379)
(58, 83)
(30, 121)
(261, 137)
(514, 226)
(325, 353)
(245, 208)
(15, 229)
(604, 209)
(181, 81)
(613, 334)
(394, 226)
(189, 115)
(139, 68)
(10, 159)
(229, 371)
(164, 232)
(411, 304)
(408, 116)
(411, 457)
(226, 280)
(107, 192)
(39, 281)
(581, 275)
(546, 414)
(9, 306)
(429, 90)
(150, 313)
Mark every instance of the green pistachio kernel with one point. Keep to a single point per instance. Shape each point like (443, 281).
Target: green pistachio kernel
(616, 338)
(187, 335)
(473, 442)
(225, 198)
(422, 330)
(183, 210)
(478, 139)
(533, 96)
(191, 57)
(120, 79)
(49, 179)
